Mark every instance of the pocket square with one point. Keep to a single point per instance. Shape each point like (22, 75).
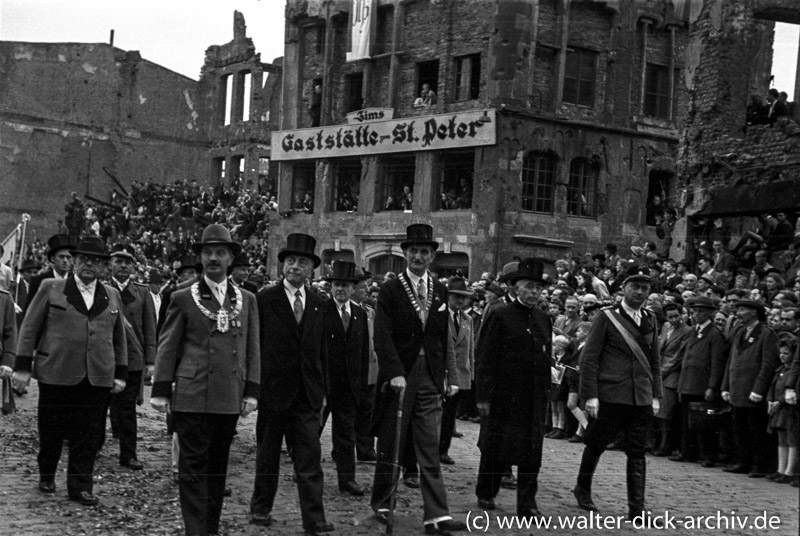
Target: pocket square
(442, 308)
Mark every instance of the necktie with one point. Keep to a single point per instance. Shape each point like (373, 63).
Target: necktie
(345, 318)
(637, 317)
(455, 322)
(422, 293)
(298, 306)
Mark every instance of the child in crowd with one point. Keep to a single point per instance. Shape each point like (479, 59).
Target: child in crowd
(783, 418)
(573, 381)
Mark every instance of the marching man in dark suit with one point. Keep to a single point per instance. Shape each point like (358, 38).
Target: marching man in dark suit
(73, 337)
(347, 340)
(513, 382)
(58, 253)
(621, 383)
(412, 343)
(22, 288)
(141, 340)
(209, 348)
(293, 379)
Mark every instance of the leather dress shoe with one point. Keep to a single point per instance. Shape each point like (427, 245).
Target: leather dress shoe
(756, 473)
(575, 439)
(411, 482)
(784, 479)
(445, 527)
(263, 520)
(446, 459)
(47, 485)
(486, 504)
(708, 462)
(584, 498)
(560, 434)
(132, 463)
(369, 456)
(382, 515)
(352, 488)
(772, 476)
(736, 468)
(84, 497)
(320, 527)
(457, 435)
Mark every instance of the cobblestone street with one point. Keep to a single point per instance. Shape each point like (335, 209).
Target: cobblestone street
(147, 502)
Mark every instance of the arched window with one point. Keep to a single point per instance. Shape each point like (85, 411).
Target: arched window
(582, 188)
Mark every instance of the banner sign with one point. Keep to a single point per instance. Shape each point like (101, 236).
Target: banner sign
(368, 115)
(424, 133)
(360, 23)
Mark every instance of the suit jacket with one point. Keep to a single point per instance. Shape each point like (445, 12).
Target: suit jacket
(752, 363)
(726, 261)
(669, 347)
(292, 356)
(464, 349)
(140, 312)
(8, 330)
(610, 370)
(400, 336)
(212, 371)
(703, 361)
(348, 352)
(70, 342)
(19, 293)
(36, 282)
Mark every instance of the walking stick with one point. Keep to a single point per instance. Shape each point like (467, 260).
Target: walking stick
(395, 462)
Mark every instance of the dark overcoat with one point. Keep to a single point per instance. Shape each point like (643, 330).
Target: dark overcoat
(348, 352)
(513, 375)
(703, 361)
(751, 366)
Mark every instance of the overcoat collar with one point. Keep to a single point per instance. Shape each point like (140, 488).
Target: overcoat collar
(75, 299)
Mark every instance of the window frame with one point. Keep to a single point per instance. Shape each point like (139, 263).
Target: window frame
(585, 172)
(309, 166)
(467, 84)
(661, 95)
(350, 92)
(534, 199)
(397, 181)
(445, 182)
(348, 163)
(578, 77)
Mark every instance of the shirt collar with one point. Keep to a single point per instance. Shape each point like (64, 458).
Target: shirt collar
(415, 278)
(290, 290)
(630, 311)
(59, 276)
(84, 287)
(121, 284)
(346, 306)
(213, 285)
(701, 327)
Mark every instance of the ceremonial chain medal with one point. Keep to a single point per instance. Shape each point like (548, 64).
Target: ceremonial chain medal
(413, 296)
(221, 317)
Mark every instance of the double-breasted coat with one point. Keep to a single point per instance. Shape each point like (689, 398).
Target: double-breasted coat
(703, 361)
(752, 364)
(212, 371)
(461, 340)
(513, 375)
(348, 352)
(69, 342)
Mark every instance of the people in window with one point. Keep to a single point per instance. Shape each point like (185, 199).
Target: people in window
(427, 97)
(315, 110)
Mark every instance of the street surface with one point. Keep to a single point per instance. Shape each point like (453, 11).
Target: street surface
(146, 502)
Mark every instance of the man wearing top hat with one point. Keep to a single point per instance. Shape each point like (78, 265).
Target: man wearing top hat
(365, 441)
(347, 340)
(459, 301)
(58, 253)
(240, 272)
(293, 380)
(73, 333)
(140, 313)
(621, 384)
(414, 353)
(209, 351)
(513, 381)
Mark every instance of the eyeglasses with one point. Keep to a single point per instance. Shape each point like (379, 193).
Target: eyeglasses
(91, 259)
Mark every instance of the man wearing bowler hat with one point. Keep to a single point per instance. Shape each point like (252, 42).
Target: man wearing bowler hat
(621, 384)
(293, 379)
(414, 353)
(513, 382)
(240, 272)
(347, 340)
(58, 253)
(209, 351)
(73, 333)
(140, 313)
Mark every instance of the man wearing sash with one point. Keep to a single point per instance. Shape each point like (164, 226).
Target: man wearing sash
(621, 383)
(293, 379)
(209, 348)
(412, 343)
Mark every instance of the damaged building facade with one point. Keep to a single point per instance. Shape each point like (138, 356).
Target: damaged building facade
(554, 125)
(731, 172)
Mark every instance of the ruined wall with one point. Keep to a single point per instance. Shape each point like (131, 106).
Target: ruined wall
(71, 114)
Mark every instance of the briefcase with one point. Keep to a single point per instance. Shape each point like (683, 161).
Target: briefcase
(7, 395)
(707, 415)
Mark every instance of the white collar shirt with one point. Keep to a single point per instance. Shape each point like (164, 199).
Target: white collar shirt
(290, 293)
(635, 314)
(87, 291)
(219, 290)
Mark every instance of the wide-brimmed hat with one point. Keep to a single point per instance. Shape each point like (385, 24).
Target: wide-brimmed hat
(635, 274)
(300, 244)
(458, 285)
(343, 271)
(91, 245)
(509, 269)
(495, 289)
(124, 251)
(217, 235)
(702, 302)
(528, 269)
(59, 241)
(420, 234)
(29, 264)
(240, 260)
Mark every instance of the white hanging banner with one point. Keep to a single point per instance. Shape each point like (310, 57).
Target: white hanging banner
(360, 24)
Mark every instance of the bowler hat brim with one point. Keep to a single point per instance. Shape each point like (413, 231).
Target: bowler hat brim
(98, 254)
(282, 254)
(512, 279)
(234, 247)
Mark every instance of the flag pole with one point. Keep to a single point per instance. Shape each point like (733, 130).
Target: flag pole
(25, 219)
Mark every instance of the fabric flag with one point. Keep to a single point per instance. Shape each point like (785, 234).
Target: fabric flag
(361, 13)
(10, 245)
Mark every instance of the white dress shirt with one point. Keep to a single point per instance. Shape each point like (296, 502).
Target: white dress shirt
(219, 290)
(635, 314)
(87, 291)
(290, 293)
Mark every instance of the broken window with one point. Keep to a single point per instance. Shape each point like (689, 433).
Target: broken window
(237, 171)
(784, 68)
(246, 79)
(354, 99)
(468, 77)
(582, 188)
(396, 182)
(218, 171)
(346, 184)
(657, 97)
(579, 75)
(538, 182)
(225, 96)
(303, 182)
(455, 173)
